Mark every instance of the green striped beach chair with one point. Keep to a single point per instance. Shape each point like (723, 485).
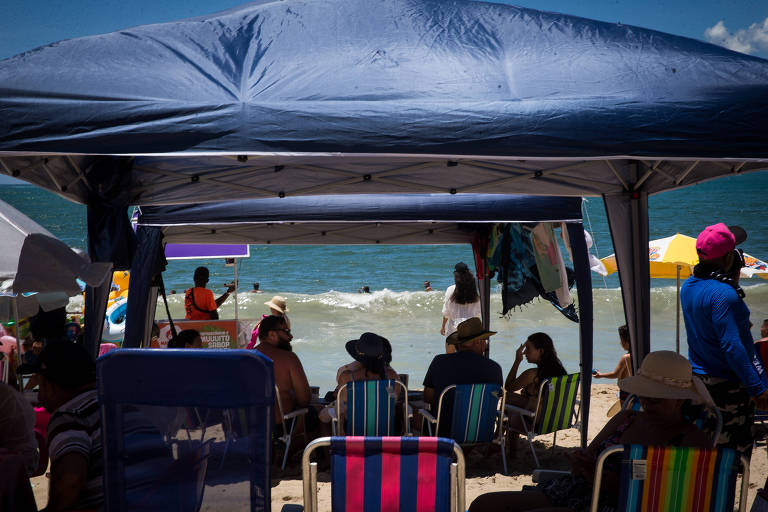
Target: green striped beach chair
(662, 478)
(371, 408)
(477, 415)
(557, 409)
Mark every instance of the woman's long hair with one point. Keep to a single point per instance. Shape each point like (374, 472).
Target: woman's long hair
(465, 291)
(375, 365)
(549, 365)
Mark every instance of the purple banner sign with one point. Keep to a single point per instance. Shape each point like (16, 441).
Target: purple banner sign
(194, 251)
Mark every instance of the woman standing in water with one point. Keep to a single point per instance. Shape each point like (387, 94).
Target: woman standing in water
(462, 301)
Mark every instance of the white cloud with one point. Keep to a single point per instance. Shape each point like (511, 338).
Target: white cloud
(745, 40)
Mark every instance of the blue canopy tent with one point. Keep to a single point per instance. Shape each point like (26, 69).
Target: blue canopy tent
(302, 97)
(356, 219)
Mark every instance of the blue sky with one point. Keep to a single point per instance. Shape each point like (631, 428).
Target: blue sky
(738, 24)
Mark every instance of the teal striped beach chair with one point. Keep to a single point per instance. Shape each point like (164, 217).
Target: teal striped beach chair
(557, 409)
(371, 408)
(477, 415)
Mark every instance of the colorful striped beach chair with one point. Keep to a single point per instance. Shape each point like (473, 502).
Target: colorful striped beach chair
(557, 409)
(389, 474)
(655, 478)
(371, 408)
(477, 415)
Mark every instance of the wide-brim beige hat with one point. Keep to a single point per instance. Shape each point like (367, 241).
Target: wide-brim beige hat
(277, 302)
(666, 374)
(468, 330)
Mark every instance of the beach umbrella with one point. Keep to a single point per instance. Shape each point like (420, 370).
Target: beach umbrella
(674, 257)
(37, 270)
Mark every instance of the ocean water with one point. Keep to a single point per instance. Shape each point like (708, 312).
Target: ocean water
(320, 283)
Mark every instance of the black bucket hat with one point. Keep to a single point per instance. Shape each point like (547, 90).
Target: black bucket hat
(370, 346)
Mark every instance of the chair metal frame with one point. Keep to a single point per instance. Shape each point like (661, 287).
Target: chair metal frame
(309, 476)
(407, 413)
(533, 415)
(293, 417)
(743, 493)
(499, 437)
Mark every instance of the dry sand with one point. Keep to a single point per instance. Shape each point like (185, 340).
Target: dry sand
(484, 473)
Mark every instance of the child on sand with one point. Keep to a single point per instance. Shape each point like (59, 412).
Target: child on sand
(624, 367)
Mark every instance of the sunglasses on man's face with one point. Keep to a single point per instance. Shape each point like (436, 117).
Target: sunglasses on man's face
(283, 329)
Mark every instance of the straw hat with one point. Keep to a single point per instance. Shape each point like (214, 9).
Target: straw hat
(278, 303)
(666, 374)
(468, 330)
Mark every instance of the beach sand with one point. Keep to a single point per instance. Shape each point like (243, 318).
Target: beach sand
(484, 473)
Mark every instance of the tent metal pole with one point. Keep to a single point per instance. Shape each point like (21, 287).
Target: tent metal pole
(15, 309)
(677, 319)
(236, 286)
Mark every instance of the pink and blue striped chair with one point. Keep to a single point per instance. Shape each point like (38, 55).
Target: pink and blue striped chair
(388, 474)
(662, 478)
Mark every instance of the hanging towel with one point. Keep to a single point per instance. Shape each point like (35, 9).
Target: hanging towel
(547, 254)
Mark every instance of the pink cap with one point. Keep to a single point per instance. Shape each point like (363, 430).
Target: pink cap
(715, 241)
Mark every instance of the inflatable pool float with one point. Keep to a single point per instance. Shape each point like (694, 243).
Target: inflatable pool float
(114, 323)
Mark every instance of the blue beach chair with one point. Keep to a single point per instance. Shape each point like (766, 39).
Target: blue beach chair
(155, 459)
(477, 415)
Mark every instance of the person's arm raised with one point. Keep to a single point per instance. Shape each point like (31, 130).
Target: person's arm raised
(513, 382)
(225, 295)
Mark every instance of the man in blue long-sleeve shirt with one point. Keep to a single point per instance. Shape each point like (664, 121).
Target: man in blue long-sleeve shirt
(719, 340)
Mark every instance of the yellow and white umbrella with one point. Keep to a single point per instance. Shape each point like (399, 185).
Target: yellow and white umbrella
(675, 256)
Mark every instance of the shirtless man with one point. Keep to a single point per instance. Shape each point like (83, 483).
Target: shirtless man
(275, 343)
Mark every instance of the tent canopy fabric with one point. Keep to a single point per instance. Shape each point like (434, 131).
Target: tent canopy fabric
(362, 96)
(279, 99)
(358, 219)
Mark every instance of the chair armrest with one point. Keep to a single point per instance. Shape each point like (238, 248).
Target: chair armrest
(292, 507)
(519, 410)
(427, 415)
(293, 414)
(545, 475)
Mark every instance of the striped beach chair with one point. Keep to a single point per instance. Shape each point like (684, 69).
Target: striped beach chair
(655, 478)
(477, 415)
(557, 409)
(388, 474)
(371, 407)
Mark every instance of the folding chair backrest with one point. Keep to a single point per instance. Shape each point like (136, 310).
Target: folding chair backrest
(157, 407)
(678, 478)
(388, 474)
(475, 408)
(557, 404)
(370, 408)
